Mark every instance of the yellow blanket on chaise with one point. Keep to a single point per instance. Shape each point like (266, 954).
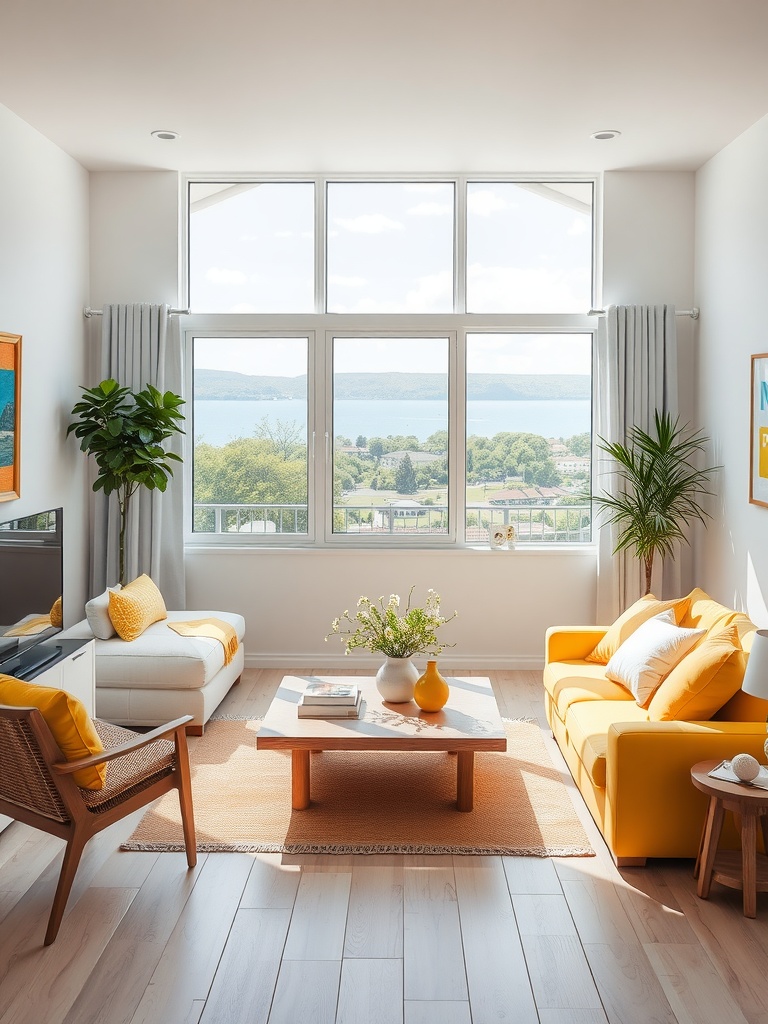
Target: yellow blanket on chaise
(32, 626)
(215, 629)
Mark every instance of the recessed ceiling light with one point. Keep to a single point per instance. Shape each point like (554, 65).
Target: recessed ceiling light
(166, 135)
(606, 133)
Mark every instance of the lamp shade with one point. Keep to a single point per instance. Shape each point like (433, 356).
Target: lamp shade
(756, 675)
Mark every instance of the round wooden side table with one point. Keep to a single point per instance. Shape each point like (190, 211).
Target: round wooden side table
(745, 870)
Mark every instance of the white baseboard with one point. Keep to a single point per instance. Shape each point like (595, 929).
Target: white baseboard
(453, 663)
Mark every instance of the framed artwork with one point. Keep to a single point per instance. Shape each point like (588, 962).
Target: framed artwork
(10, 416)
(758, 440)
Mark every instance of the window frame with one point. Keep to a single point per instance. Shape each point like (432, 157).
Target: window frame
(321, 327)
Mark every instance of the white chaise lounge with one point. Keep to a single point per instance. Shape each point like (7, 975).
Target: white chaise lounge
(162, 675)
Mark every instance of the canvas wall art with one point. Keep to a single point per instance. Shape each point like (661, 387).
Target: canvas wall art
(10, 416)
(758, 470)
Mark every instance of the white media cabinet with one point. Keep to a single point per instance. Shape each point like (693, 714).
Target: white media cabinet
(71, 668)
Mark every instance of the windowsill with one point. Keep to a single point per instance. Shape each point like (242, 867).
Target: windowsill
(577, 550)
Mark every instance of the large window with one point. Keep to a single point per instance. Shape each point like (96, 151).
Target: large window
(389, 361)
(528, 453)
(390, 427)
(251, 247)
(250, 469)
(390, 247)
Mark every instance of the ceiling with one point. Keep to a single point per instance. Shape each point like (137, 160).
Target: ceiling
(283, 86)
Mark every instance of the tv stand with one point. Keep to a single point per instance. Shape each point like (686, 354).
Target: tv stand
(26, 666)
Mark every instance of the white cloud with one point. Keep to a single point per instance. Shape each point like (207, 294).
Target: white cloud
(579, 226)
(485, 202)
(369, 224)
(541, 290)
(433, 294)
(429, 210)
(222, 275)
(284, 234)
(347, 282)
(243, 307)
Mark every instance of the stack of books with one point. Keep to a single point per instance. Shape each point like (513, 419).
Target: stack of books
(330, 700)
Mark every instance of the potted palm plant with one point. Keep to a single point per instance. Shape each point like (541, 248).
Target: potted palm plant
(124, 431)
(659, 489)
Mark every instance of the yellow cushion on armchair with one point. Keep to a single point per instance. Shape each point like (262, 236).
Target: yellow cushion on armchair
(66, 717)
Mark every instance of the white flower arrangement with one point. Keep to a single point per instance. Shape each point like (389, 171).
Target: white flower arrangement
(378, 626)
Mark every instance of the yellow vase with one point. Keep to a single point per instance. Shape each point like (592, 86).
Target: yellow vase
(431, 690)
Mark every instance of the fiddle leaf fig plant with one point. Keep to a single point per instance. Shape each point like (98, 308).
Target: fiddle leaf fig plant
(125, 430)
(659, 489)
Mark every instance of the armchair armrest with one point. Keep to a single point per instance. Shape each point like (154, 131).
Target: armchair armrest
(571, 643)
(171, 728)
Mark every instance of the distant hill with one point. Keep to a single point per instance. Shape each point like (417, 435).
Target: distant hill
(227, 385)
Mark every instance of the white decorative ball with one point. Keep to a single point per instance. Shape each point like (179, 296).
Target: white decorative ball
(745, 767)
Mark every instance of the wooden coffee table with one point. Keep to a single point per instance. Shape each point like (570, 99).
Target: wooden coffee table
(470, 721)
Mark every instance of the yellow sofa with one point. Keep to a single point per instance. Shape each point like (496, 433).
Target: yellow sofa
(633, 773)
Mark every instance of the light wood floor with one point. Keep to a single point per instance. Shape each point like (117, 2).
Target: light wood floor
(267, 939)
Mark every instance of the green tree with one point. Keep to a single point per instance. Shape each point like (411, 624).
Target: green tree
(376, 447)
(437, 442)
(579, 444)
(405, 476)
(284, 436)
(361, 441)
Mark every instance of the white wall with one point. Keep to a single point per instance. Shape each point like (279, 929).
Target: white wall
(731, 276)
(505, 600)
(43, 288)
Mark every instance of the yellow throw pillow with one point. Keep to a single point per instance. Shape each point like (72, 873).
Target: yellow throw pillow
(67, 719)
(135, 607)
(628, 621)
(55, 613)
(702, 682)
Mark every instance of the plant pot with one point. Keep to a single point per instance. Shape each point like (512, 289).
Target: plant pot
(395, 680)
(431, 690)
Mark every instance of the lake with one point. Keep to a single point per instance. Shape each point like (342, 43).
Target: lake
(218, 421)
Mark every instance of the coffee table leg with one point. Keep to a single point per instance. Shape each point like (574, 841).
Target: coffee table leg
(299, 779)
(465, 780)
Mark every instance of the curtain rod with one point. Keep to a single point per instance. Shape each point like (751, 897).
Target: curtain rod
(88, 312)
(692, 313)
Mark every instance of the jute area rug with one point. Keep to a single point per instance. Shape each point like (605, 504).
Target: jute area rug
(378, 802)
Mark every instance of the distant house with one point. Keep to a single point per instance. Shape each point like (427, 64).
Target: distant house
(527, 496)
(391, 460)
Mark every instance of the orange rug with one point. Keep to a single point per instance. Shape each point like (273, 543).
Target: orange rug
(377, 802)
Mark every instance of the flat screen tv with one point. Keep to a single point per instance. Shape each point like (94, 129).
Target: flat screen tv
(31, 587)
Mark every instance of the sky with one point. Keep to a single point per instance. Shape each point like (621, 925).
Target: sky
(390, 250)
(486, 353)
(390, 247)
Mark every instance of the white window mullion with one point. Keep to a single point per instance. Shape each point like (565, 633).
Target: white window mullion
(460, 247)
(321, 249)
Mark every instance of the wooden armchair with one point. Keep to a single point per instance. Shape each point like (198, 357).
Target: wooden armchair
(36, 785)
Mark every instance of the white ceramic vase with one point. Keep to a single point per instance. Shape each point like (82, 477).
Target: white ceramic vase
(395, 680)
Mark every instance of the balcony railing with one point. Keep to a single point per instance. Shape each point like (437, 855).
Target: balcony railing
(534, 524)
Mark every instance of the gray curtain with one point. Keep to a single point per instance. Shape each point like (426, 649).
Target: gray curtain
(635, 374)
(140, 345)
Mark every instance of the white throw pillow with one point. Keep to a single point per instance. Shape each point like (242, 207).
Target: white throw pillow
(97, 613)
(650, 653)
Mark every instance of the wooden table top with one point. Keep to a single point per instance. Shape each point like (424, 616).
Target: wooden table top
(726, 790)
(469, 721)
